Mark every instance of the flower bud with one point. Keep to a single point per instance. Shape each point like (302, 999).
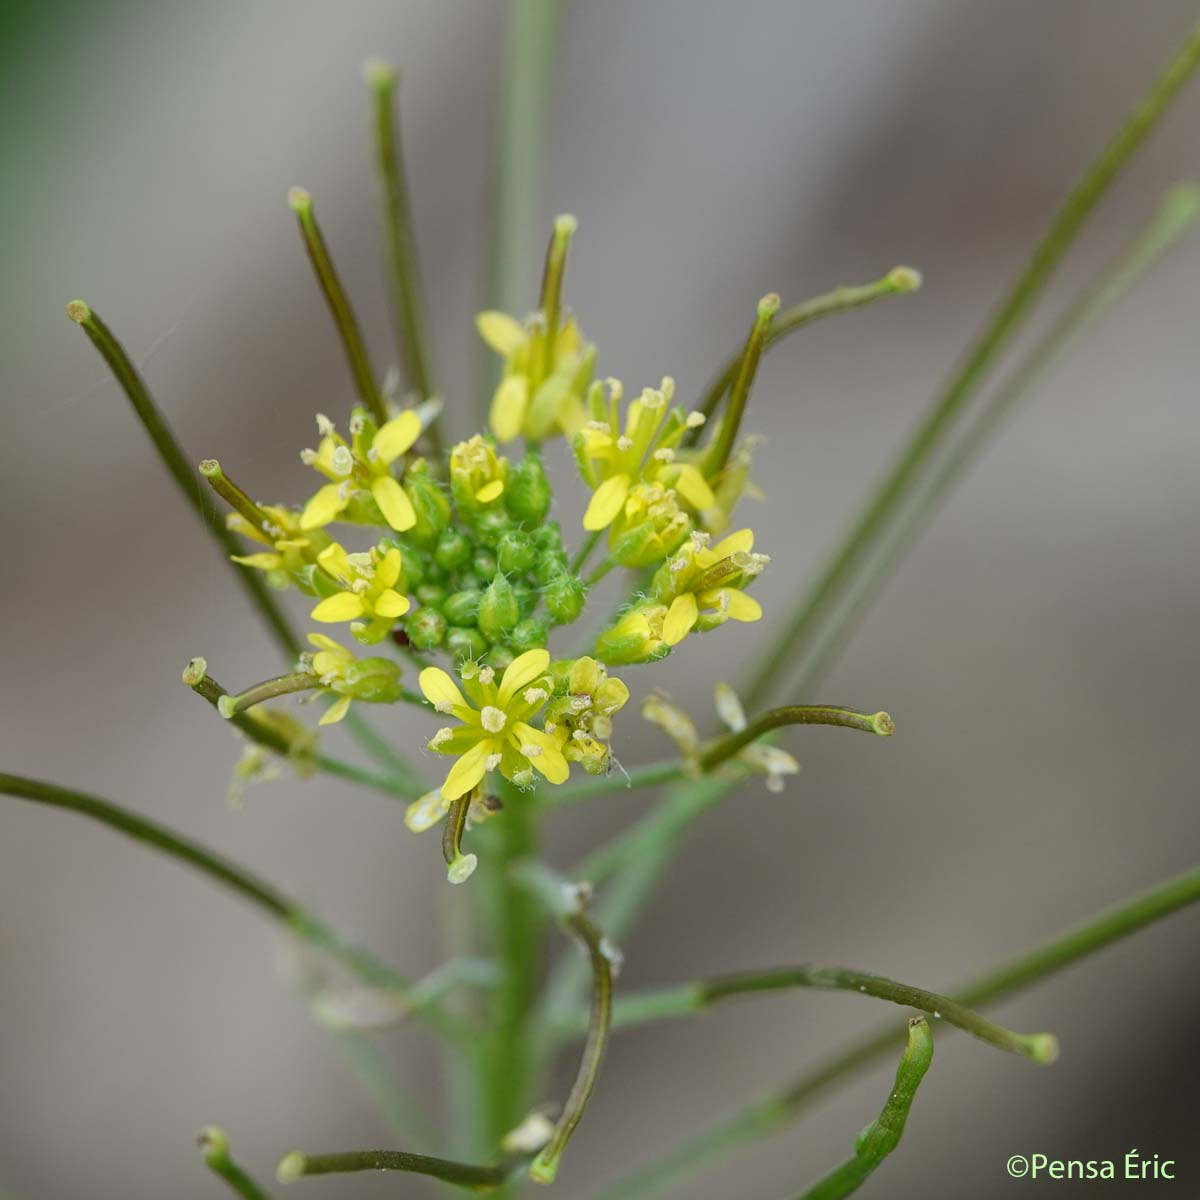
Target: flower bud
(528, 494)
(465, 643)
(492, 525)
(499, 656)
(432, 595)
(426, 628)
(515, 552)
(565, 597)
(498, 610)
(529, 634)
(462, 608)
(429, 501)
(635, 638)
(453, 550)
(484, 564)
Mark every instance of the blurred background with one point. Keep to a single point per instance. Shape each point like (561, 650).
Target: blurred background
(1037, 649)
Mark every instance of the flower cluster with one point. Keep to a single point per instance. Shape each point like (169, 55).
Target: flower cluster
(462, 559)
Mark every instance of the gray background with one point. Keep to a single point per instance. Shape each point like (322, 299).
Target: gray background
(1038, 649)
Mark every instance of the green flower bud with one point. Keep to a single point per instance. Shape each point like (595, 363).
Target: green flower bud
(432, 595)
(498, 610)
(429, 501)
(465, 643)
(527, 635)
(426, 628)
(453, 550)
(375, 680)
(468, 581)
(461, 608)
(499, 656)
(564, 596)
(528, 494)
(492, 526)
(484, 563)
(515, 552)
(548, 538)
(527, 598)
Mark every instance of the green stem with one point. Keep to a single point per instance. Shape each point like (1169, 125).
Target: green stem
(353, 344)
(602, 785)
(517, 925)
(940, 419)
(883, 1135)
(180, 467)
(585, 551)
(544, 1167)
(895, 283)
(796, 714)
(402, 253)
(469, 1175)
(1176, 214)
(531, 41)
(214, 1145)
(718, 454)
(599, 573)
(664, 1003)
(776, 1109)
(269, 689)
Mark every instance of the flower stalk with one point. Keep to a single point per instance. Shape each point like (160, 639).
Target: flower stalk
(482, 1178)
(879, 723)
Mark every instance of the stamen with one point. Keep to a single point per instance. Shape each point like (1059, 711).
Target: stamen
(493, 719)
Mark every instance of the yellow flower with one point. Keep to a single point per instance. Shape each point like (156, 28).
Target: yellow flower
(366, 587)
(541, 392)
(581, 720)
(495, 733)
(636, 638)
(360, 469)
(612, 461)
(703, 586)
(373, 680)
(649, 527)
(477, 473)
(291, 550)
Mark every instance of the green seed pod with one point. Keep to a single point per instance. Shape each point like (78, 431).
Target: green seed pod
(515, 552)
(432, 595)
(527, 635)
(484, 563)
(453, 550)
(375, 680)
(426, 628)
(465, 643)
(429, 501)
(564, 596)
(498, 610)
(461, 608)
(528, 494)
(499, 656)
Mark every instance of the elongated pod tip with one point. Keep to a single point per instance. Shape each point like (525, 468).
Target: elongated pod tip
(79, 311)
(291, 1167)
(768, 306)
(883, 724)
(1043, 1047)
(543, 1169)
(380, 75)
(210, 468)
(299, 200)
(904, 279)
(195, 671)
(213, 1143)
(565, 224)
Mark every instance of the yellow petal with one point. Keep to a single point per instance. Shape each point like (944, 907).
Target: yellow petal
(263, 562)
(335, 561)
(323, 507)
(742, 607)
(336, 711)
(393, 502)
(680, 618)
(388, 571)
(742, 541)
(397, 436)
(729, 707)
(503, 333)
(344, 606)
(693, 487)
(390, 603)
(323, 642)
(508, 407)
(523, 669)
(606, 503)
(550, 762)
(326, 662)
(490, 491)
(469, 769)
(440, 690)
